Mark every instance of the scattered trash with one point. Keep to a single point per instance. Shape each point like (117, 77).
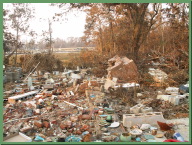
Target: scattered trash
(118, 66)
(73, 138)
(169, 134)
(158, 75)
(138, 139)
(125, 137)
(109, 118)
(145, 126)
(160, 135)
(151, 140)
(149, 137)
(114, 124)
(164, 126)
(136, 131)
(18, 137)
(154, 132)
(184, 88)
(73, 106)
(39, 138)
(178, 136)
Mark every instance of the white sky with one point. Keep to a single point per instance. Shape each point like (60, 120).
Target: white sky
(72, 27)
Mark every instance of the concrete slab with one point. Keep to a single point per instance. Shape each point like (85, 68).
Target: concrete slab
(142, 118)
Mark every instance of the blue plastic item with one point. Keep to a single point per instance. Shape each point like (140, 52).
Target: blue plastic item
(38, 138)
(178, 137)
(184, 89)
(151, 140)
(153, 128)
(138, 139)
(73, 138)
(149, 136)
(92, 96)
(84, 133)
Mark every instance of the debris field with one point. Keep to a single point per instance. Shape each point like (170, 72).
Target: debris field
(75, 106)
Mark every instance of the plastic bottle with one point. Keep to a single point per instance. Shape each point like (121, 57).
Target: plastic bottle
(178, 137)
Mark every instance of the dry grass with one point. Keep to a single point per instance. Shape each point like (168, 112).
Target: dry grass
(65, 56)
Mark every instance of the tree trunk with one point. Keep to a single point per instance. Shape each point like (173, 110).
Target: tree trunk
(112, 37)
(50, 38)
(101, 40)
(136, 50)
(16, 46)
(138, 28)
(136, 40)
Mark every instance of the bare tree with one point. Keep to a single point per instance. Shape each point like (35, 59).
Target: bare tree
(19, 17)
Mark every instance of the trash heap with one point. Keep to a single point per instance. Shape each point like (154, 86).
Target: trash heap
(73, 106)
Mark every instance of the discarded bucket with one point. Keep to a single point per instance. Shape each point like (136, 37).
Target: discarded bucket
(125, 137)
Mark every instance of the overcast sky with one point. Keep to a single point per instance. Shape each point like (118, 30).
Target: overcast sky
(72, 27)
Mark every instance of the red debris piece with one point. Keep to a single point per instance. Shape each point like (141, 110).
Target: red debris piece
(63, 126)
(164, 126)
(46, 124)
(87, 138)
(54, 122)
(38, 124)
(84, 128)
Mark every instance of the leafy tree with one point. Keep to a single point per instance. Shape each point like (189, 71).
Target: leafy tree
(104, 17)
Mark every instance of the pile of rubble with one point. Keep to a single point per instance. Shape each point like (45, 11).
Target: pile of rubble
(73, 106)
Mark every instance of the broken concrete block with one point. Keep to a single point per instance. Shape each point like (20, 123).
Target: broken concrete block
(47, 75)
(26, 129)
(14, 128)
(75, 76)
(158, 75)
(172, 90)
(145, 126)
(139, 95)
(174, 99)
(109, 83)
(122, 68)
(136, 109)
(128, 86)
(13, 99)
(37, 111)
(56, 72)
(146, 109)
(141, 118)
(19, 137)
(163, 97)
